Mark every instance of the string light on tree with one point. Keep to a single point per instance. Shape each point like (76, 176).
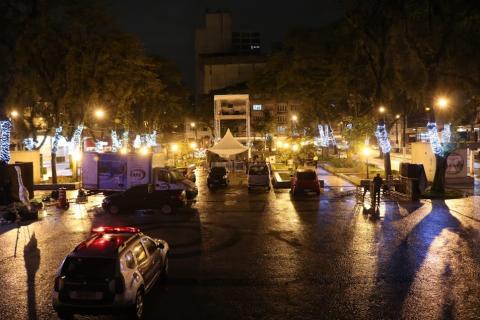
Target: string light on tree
(382, 138)
(137, 143)
(5, 129)
(151, 139)
(56, 139)
(77, 136)
(125, 139)
(29, 144)
(432, 132)
(116, 144)
(446, 133)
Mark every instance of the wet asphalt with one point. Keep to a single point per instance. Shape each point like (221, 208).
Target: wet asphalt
(264, 255)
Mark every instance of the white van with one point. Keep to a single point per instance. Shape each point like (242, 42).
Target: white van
(258, 176)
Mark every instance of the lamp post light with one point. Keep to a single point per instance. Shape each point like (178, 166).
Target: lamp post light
(99, 113)
(193, 125)
(14, 114)
(397, 117)
(366, 153)
(294, 123)
(174, 149)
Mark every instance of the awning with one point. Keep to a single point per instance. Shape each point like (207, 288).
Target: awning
(228, 146)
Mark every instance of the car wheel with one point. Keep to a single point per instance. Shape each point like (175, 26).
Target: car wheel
(65, 315)
(113, 209)
(137, 311)
(166, 208)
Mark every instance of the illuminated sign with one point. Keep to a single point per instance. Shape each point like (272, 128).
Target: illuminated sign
(257, 107)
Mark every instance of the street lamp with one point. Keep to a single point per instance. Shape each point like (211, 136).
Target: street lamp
(382, 109)
(294, 124)
(396, 130)
(193, 125)
(174, 149)
(442, 102)
(99, 113)
(14, 114)
(366, 152)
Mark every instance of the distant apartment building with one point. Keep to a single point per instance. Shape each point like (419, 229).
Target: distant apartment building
(284, 114)
(223, 57)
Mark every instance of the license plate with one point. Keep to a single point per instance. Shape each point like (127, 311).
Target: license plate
(86, 295)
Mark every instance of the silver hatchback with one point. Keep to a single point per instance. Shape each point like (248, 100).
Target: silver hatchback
(110, 273)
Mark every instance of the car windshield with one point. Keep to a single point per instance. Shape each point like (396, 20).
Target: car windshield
(176, 176)
(218, 171)
(258, 170)
(308, 175)
(87, 268)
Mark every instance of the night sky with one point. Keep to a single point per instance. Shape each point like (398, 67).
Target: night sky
(166, 27)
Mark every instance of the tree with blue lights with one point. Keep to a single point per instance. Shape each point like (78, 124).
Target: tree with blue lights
(441, 148)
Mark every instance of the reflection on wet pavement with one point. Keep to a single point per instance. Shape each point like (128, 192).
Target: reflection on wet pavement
(237, 255)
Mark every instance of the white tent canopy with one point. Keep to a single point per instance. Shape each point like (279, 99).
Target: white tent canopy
(228, 146)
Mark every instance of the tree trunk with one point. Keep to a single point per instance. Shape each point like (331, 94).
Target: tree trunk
(387, 164)
(438, 184)
(53, 163)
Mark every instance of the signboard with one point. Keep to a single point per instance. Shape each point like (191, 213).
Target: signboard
(139, 169)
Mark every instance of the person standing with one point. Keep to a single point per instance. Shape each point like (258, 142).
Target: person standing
(377, 187)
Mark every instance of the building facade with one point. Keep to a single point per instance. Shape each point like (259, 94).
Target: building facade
(223, 57)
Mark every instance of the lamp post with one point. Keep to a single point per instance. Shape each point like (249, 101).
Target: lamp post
(397, 117)
(366, 153)
(193, 125)
(294, 124)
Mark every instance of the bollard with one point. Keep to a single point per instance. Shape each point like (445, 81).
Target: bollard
(62, 199)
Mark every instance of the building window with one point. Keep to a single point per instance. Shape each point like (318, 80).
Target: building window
(257, 107)
(282, 119)
(281, 129)
(282, 108)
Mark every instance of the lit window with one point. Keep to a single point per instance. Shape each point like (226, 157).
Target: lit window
(257, 107)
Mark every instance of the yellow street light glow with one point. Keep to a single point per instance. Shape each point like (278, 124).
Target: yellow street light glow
(77, 155)
(279, 144)
(295, 147)
(193, 145)
(294, 118)
(427, 108)
(381, 109)
(124, 150)
(14, 113)
(192, 124)
(99, 113)
(174, 147)
(397, 116)
(144, 150)
(286, 145)
(366, 151)
(442, 102)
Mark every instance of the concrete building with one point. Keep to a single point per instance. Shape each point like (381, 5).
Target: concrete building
(223, 57)
(232, 112)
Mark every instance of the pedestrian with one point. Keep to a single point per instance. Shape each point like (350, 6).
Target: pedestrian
(377, 187)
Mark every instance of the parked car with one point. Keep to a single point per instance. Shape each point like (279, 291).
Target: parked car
(188, 172)
(170, 179)
(258, 176)
(305, 180)
(217, 176)
(110, 273)
(145, 197)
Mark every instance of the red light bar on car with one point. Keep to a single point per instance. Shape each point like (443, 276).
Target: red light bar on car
(115, 230)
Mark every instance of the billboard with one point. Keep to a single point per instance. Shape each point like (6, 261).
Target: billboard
(112, 171)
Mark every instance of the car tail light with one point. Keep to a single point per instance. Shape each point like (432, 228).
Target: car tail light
(59, 283)
(115, 229)
(116, 285)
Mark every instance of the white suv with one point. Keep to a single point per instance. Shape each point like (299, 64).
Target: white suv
(110, 273)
